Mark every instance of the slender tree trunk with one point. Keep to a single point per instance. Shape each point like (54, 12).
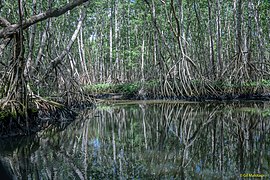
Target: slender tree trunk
(219, 45)
(111, 46)
(29, 61)
(239, 33)
(82, 55)
(249, 39)
(211, 45)
(142, 61)
(261, 55)
(19, 57)
(59, 58)
(155, 48)
(102, 71)
(128, 75)
(117, 70)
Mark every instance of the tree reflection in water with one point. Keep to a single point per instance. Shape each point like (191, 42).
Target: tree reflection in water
(148, 141)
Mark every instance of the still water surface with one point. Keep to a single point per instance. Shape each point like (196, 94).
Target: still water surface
(148, 140)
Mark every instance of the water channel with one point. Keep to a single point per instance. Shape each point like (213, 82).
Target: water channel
(148, 140)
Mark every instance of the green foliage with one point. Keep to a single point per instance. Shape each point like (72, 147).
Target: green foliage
(266, 113)
(130, 88)
(256, 111)
(152, 83)
(126, 88)
(100, 88)
(222, 85)
(104, 88)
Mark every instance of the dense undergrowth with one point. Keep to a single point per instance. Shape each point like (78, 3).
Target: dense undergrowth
(125, 88)
(152, 89)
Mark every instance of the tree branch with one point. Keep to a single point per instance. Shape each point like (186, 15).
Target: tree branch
(59, 58)
(12, 28)
(4, 22)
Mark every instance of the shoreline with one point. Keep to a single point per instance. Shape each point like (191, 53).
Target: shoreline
(225, 97)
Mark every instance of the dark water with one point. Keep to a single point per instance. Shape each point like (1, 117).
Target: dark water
(157, 140)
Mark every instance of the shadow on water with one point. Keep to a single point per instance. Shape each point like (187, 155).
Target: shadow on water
(148, 141)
